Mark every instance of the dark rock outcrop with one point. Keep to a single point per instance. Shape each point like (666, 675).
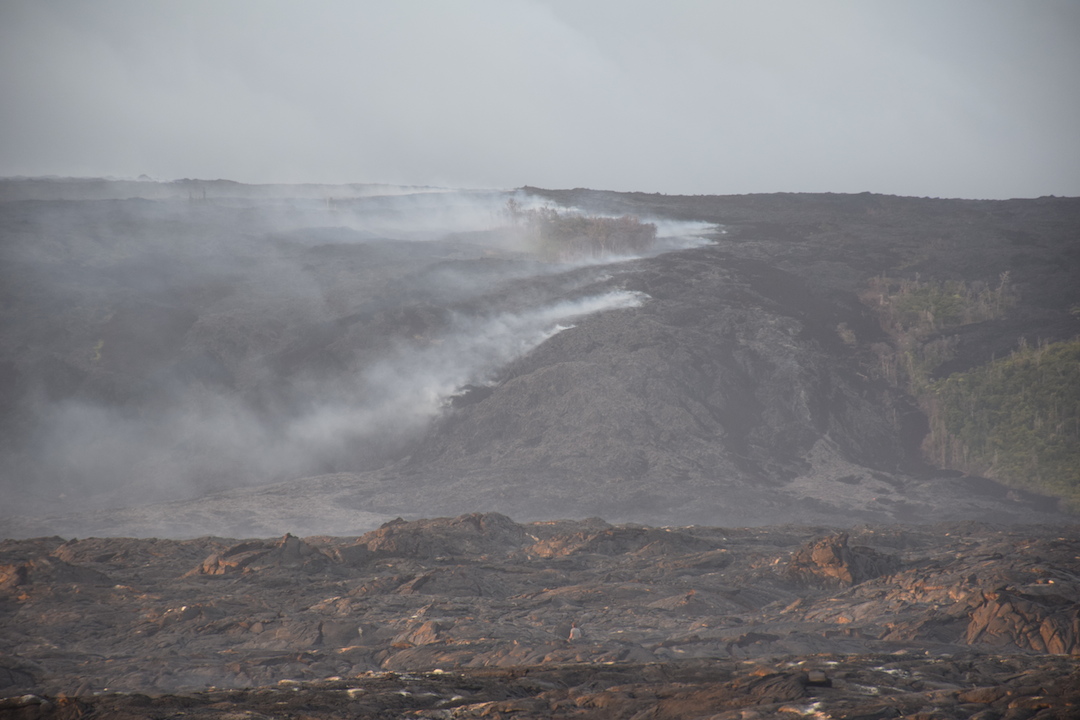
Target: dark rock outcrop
(46, 570)
(1040, 618)
(290, 553)
(473, 534)
(830, 562)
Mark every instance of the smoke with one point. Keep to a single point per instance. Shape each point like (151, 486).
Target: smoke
(670, 234)
(204, 440)
(408, 389)
(170, 348)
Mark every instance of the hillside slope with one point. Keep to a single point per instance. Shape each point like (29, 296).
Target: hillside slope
(728, 382)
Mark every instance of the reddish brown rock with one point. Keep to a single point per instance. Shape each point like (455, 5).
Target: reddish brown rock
(830, 562)
(1049, 624)
(290, 553)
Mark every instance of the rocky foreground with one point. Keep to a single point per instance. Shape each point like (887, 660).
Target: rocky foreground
(472, 616)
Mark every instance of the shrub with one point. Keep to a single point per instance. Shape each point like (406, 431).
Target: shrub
(1016, 420)
(915, 312)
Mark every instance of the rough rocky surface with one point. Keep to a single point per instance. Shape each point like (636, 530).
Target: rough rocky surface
(866, 687)
(830, 561)
(470, 616)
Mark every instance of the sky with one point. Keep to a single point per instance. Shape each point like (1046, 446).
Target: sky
(940, 98)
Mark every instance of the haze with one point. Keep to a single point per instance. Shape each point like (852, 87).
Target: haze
(952, 99)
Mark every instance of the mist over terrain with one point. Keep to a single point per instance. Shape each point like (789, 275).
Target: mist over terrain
(381, 351)
(166, 340)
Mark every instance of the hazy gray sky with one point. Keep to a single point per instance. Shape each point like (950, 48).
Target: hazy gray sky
(973, 98)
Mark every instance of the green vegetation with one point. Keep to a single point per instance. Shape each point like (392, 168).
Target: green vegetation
(1016, 420)
(572, 236)
(923, 306)
(915, 313)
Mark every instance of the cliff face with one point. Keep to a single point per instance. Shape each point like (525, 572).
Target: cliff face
(731, 379)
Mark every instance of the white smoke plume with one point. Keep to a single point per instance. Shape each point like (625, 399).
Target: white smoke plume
(409, 389)
(117, 272)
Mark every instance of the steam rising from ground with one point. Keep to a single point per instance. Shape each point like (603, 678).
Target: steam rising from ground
(122, 455)
(408, 389)
(234, 341)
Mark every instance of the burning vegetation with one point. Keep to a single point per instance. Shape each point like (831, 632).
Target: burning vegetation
(568, 236)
